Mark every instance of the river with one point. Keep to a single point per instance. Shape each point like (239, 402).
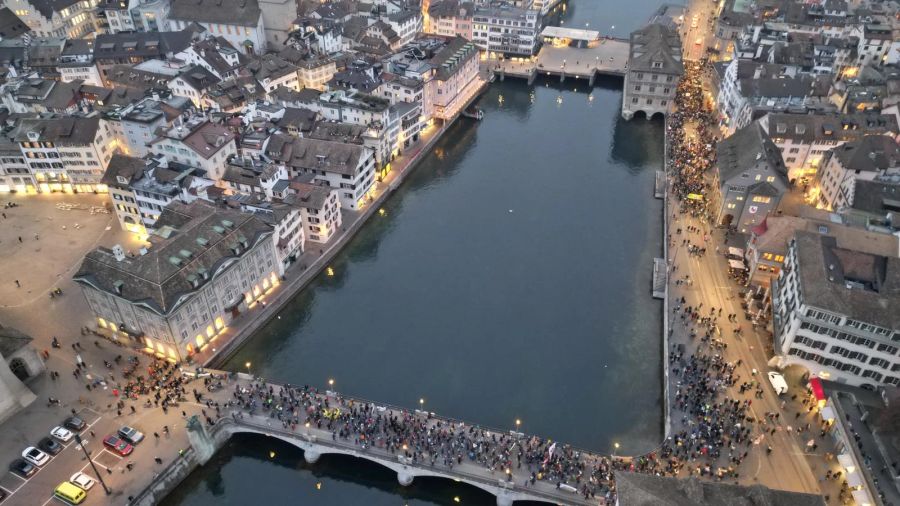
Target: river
(508, 279)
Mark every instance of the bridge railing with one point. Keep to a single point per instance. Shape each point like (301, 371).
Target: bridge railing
(380, 453)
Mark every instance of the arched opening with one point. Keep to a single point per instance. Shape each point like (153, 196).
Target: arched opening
(639, 115)
(658, 116)
(727, 219)
(128, 219)
(18, 367)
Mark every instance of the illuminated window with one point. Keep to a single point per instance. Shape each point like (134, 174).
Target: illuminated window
(762, 200)
(210, 331)
(779, 258)
(220, 323)
(199, 340)
(731, 205)
(101, 322)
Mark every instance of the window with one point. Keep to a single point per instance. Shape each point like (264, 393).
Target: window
(762, 200)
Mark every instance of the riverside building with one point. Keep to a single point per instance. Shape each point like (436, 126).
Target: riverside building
(205, 265)
(837, 312)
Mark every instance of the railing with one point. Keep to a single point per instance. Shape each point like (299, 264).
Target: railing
(379, 453)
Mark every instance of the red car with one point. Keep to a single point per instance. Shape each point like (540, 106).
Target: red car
(118, 445)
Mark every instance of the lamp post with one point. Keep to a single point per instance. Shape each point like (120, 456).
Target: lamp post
(94, 467)
(518, 424)
(422, 403)
(247, 365)
(615, 448)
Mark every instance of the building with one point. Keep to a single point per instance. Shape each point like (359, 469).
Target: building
(139, 122)
(136, 47)
(767, 247)
(66, 153)
(749, 179)
(320, 209)
(197, 143)
(11, 27)
(504, 30)
(115, 16)
(141, 188)
(805, 139)
(271, 71)
(654, 70)
(450, 18)
(216, 55)
(76, 62)
(240, 22)
(204, 266)
(866, 158)
(67, 18)
(837, 312)
(349, 168)
(18, 362)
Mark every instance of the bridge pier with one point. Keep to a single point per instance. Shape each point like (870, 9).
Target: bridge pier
(502, 75)
(562, 76)
(203, 444)
(311, 456)
(531, 77)
(592, 79)
(504, 500)
(405, 478)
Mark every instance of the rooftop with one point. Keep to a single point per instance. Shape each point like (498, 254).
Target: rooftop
(859, 285)
(191, 243)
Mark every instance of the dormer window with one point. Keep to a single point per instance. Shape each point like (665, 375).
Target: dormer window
(122, 179)
(781, 128)
(657, 64)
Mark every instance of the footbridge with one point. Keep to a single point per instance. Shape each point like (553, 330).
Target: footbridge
(403, 440)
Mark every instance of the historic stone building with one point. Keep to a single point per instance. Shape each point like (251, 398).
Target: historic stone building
(654, 70)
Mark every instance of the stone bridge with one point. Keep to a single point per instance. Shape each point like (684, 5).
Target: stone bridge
(507, 486)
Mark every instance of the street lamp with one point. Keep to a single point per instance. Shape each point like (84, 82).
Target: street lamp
(615, 448)
(421, 403)
(247, 365)
(518, 424)
(330, 383)
(94, 467)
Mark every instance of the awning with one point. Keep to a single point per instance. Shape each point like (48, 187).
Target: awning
(816, 385)
(862, 498)
(738, 252)
(854, 479)
(846, 461)
(827, 414)
(736, 264)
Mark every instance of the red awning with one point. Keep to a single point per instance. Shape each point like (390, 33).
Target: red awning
(816, 385)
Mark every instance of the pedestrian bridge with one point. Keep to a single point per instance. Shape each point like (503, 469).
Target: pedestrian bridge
(507, 485)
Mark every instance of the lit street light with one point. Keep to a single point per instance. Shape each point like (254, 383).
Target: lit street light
(615, 448)
(247, 365)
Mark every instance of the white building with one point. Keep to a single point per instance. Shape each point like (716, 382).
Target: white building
(866, 159)
(320, 209)
(837, 312)
(66, 153)
(66, 18)
(204, 266)
(141, 188)
(805, 139)
(506, 30)
(349, 168)
(197, 143)
(76, 62)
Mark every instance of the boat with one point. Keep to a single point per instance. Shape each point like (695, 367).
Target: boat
(473, 113)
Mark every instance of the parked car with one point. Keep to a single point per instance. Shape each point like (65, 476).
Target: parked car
(74, 423)
(131, 434)
(35, 457)
(62, 434)
(82, 481)
(50, 445)
(22, 468)
(117, 445)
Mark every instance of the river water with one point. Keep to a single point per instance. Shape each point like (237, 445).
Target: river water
(509, 278)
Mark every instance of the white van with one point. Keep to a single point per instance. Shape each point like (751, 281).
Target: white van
(778, 382)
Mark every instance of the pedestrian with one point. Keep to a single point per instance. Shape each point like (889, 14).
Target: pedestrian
(18, 285)
(158, 460)
(92, 433)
